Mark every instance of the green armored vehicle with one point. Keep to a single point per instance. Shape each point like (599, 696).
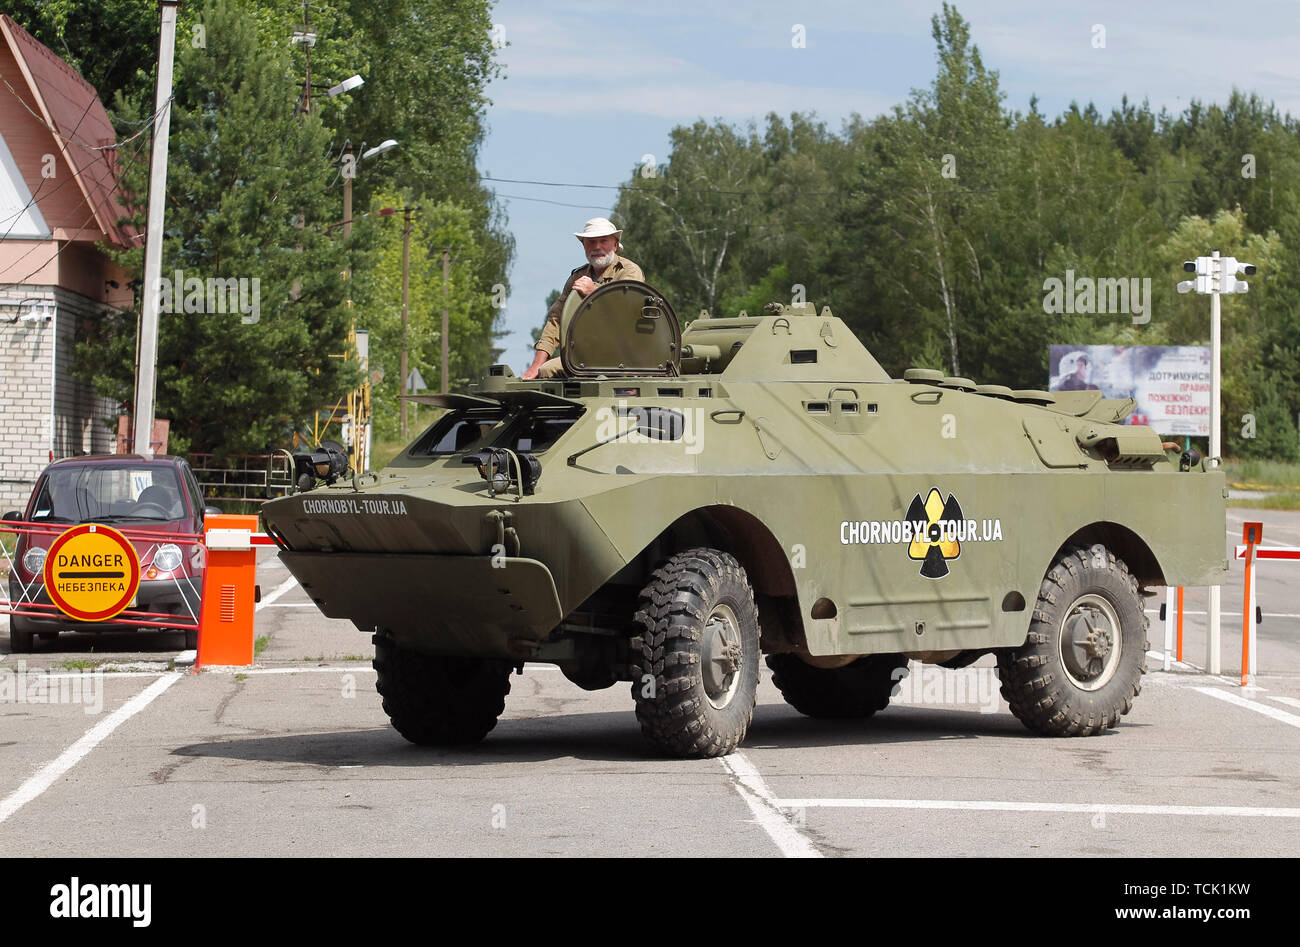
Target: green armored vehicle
(684, 501)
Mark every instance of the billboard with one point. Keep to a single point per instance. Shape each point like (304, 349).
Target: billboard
(1171, 383)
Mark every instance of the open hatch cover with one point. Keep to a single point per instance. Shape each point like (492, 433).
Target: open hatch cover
(622, 328)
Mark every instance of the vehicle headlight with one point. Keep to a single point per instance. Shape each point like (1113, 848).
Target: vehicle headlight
(167, 558)
(34, 559)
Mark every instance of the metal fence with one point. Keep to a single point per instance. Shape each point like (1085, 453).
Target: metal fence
(243, 478)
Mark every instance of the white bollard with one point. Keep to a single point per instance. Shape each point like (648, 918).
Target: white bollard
(1170, 618)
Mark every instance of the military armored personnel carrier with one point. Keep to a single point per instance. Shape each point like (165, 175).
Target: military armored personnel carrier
(684, 501)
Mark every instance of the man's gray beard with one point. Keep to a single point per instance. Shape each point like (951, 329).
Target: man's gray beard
(600, 262)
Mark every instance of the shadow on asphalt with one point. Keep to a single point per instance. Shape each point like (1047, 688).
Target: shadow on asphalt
(611, 736)
(149, 640)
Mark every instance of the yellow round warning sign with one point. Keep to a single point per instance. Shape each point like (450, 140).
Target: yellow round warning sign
(91, 572)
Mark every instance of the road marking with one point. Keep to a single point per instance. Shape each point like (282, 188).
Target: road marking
(279, 590)
(73, 754)
(1289, 701)
(1265, 812)
(1268, 711)
(767, 811)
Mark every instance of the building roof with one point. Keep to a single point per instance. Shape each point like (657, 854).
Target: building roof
(70, 108)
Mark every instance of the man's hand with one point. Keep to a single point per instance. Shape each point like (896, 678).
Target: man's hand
(584, 285)
(539, 357)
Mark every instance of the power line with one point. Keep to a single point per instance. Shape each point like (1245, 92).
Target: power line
(938, 191)
(67, 243)
(32, 199)
(542, 200)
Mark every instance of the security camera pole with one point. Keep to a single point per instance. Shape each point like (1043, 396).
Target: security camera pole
(148, 342)
(1215, 275)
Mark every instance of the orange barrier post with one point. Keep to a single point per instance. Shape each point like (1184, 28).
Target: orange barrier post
(1251, 533)
(229, 591)
(1180, 623)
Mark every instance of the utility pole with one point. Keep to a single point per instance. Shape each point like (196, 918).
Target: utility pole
(308, 40)
(349, 171)
(446, 317)
(1215, 275)
(406, 303)
(148, 342)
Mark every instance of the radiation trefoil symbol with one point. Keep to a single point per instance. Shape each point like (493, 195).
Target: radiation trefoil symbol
(938, 544)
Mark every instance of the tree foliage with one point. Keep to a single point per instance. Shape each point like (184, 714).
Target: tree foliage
(934, 228)
(255, 191)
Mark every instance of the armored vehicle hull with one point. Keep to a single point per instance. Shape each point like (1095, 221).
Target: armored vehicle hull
(772, 491)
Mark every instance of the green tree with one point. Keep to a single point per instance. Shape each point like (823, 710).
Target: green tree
(248, 197)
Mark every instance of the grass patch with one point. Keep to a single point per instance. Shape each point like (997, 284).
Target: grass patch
(259, 645)
(1271, 475)
(78, 664)
(383, 452)
(1278, 501)
(241, 677)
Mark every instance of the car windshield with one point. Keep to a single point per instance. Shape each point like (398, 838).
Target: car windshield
(99, 493)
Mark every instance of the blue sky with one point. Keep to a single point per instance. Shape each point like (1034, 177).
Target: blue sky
(589, 88)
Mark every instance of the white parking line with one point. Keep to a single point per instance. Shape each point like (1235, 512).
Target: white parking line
(1265, 812)
(73, 754)
(275, 593)
(767, 811)
(1279, 715)
(1289, 701)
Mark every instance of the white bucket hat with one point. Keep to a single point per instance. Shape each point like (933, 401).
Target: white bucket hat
(600, 227)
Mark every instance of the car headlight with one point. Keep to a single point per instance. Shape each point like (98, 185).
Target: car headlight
(34, 559)
(167, 558)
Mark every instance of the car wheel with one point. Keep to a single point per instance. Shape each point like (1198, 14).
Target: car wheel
(695, 662)
(439, 700)
(853, 692)
(1082, 663)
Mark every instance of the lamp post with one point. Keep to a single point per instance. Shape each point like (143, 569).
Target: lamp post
(1215, 275)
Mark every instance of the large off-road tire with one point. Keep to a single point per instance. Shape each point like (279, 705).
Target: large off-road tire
(436, 700)
(1082, 663)
(695, 661)
(852, 692)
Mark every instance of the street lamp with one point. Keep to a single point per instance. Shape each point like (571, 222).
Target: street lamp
(347, 85)
(1215, 275)
(349, 171)
(387, 144)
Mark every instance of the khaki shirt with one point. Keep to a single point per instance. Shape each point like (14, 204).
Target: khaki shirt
(621, 268)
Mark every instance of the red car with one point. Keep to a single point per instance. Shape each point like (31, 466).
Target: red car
(129, 492)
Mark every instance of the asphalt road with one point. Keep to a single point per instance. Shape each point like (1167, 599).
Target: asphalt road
(295, 757)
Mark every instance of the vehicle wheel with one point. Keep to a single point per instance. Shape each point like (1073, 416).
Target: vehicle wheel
(1082, 663)
(436, 700)
(853, 692)
(47, 637)
(695, 662)
(191, 639)
(20, 642)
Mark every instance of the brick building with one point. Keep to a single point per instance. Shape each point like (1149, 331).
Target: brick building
(58, 201)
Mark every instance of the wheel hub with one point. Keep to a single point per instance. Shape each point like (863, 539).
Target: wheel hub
(721, 655)
(1090, 642)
